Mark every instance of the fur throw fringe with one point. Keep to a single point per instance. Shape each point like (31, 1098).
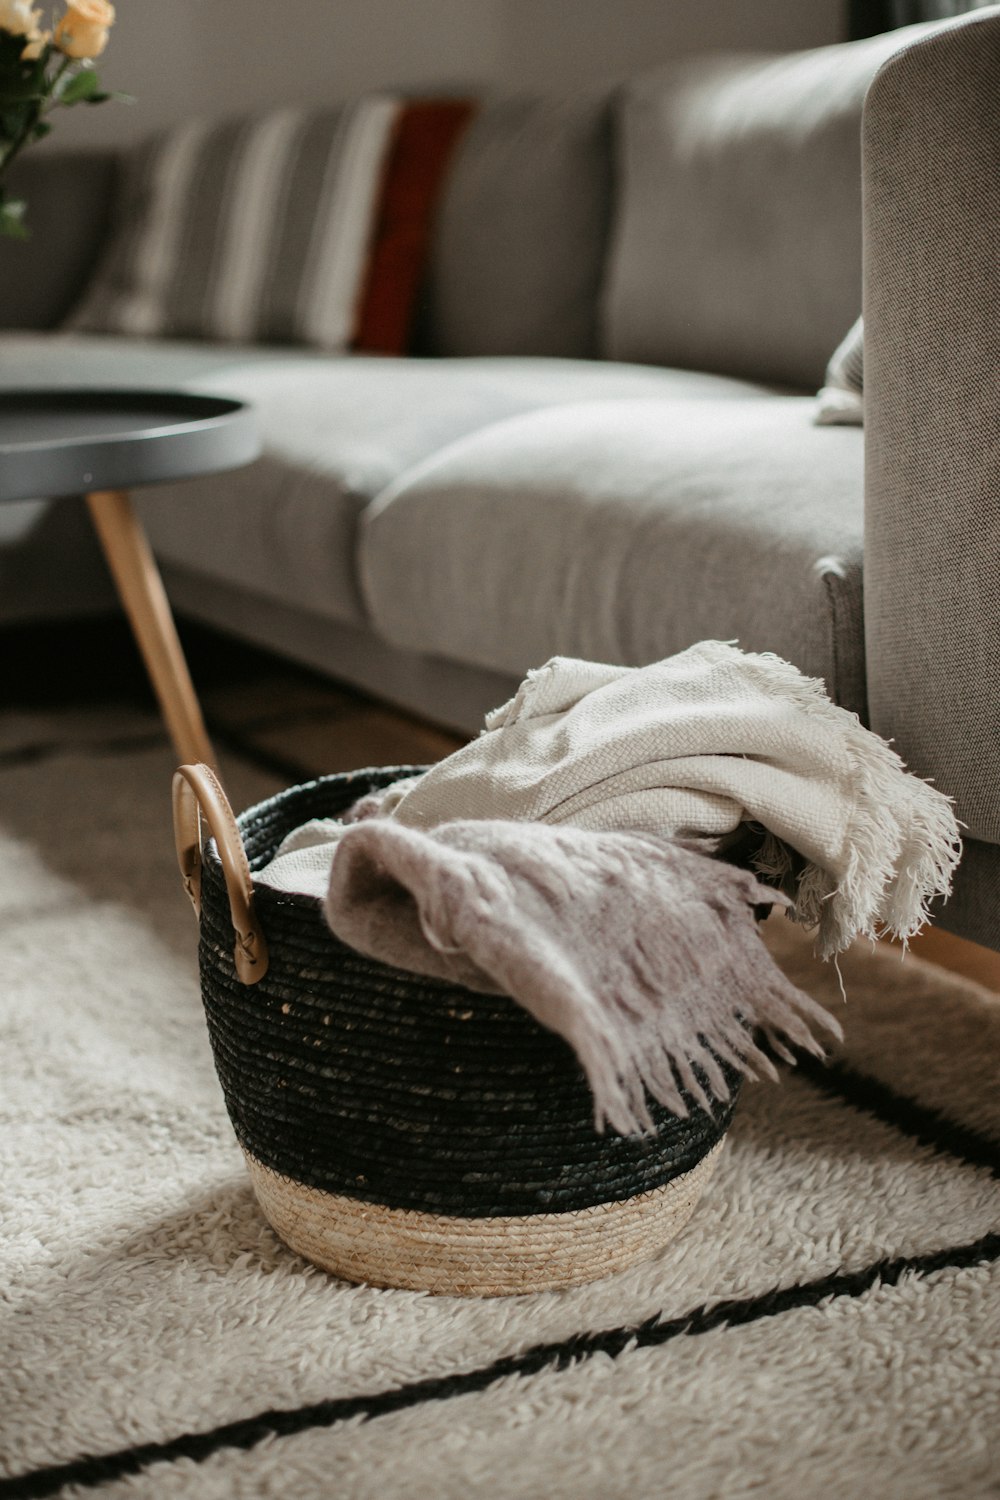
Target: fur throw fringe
(641, 952)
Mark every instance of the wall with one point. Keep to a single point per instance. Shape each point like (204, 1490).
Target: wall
(585, 41)
(180, 57)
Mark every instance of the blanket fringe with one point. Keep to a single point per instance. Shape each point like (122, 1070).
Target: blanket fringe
(740, 1020)
(642, 953)
(902, 843)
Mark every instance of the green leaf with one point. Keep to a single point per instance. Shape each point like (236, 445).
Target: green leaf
(81, 87)
(12, 225)
(97, 99)
(42, 128)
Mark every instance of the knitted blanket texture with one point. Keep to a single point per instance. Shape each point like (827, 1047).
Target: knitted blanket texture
(694, 746)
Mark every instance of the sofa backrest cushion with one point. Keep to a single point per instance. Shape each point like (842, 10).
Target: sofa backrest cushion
(517, 257)
(69, 196)
(424, 144)
(737, 246)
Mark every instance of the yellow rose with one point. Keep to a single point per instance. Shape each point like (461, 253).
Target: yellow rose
(18, 17)
(36, 46)
(83, 30)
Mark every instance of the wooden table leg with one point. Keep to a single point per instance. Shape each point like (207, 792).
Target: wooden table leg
(141, 591)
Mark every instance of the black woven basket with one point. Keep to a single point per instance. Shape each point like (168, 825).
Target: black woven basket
(400, 1130)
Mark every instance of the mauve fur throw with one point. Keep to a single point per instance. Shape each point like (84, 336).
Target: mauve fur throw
(641, 952)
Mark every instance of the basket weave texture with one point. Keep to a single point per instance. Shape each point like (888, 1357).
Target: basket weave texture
(385, 1087)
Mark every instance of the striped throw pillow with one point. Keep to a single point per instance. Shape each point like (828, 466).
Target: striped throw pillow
(253, 230)
(841, 402)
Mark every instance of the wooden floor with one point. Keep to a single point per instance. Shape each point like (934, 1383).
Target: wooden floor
(299, 723)
(981, 965)
(305, 726)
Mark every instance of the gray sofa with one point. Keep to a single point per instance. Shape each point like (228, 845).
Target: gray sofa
(605, 446)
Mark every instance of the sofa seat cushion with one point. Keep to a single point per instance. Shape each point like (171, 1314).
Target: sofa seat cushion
(625, 531)
(82, 359)
(336, 432)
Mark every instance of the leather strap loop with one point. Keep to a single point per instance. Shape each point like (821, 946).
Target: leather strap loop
(196, 794)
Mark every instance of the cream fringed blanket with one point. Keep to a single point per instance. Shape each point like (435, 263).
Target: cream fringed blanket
(695, 746)
(641, 953)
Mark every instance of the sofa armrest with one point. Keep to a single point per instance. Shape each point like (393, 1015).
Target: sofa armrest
(931, 171)
(69, 197)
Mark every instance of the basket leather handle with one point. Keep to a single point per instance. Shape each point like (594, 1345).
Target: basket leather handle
(198, 794)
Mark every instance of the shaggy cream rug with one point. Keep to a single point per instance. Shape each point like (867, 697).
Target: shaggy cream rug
(828, 1325)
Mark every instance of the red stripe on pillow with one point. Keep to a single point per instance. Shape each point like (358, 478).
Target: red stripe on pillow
(426, 135)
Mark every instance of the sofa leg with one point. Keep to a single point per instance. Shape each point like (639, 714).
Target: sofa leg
(140, 588)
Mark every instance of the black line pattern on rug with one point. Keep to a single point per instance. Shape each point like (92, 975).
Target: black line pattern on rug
(288, 770)
(91, 1471)
(927, 1126)
(32, 754)
(234, 740)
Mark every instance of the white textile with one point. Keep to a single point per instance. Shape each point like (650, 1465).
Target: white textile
(696, 745)
(302, 863)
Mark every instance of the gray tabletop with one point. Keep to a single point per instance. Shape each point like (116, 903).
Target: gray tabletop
(69, 442)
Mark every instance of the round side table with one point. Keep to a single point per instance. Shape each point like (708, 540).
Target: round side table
(101, 444)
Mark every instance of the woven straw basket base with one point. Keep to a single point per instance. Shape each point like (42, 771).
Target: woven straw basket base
(419, 1252)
